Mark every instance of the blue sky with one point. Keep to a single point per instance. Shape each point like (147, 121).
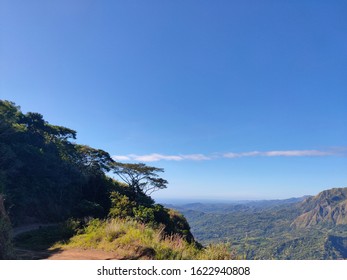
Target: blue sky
(234, 99)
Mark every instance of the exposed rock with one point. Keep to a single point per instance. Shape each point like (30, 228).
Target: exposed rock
(328, 207)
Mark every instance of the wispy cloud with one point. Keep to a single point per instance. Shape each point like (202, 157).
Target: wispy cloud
(121, 158)
(158, 157)
(201, 157)
(289, 153)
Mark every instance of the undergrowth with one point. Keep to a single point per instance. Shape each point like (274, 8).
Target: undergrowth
(133, 240)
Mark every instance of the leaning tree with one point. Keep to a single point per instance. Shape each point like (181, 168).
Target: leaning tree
(142, 179)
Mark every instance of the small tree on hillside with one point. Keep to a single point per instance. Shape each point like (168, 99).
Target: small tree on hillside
(142, 180)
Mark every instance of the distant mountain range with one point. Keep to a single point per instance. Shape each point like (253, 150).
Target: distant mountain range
(242, 205)
(310, 227)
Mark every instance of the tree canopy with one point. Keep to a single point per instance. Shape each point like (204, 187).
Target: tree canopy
(43, 175)
(143, 179)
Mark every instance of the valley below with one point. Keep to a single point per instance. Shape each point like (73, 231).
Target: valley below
(312, 227)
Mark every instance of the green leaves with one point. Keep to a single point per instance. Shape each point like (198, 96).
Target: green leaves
(94, 159)
(140, 177)
(121, 206)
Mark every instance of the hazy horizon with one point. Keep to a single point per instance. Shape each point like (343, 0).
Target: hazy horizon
(184, 201)
(187, 200)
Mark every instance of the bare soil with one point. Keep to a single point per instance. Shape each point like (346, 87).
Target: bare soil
(80, 254)
(66, 254)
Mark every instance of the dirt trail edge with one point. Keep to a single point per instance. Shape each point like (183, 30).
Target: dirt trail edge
(22, 229)
(80, 254)
(58, 254)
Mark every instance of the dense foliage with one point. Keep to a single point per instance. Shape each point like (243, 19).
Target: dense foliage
(46, 177)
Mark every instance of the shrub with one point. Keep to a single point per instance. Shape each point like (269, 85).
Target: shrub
(219, 251)
(145, 215)
(121, 206)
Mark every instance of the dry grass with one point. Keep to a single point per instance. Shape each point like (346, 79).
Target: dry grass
(134, 240)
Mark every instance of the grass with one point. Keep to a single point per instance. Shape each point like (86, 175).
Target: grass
(126, 238)
(134, 240)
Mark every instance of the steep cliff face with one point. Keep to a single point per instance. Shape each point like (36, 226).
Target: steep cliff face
(328, 207)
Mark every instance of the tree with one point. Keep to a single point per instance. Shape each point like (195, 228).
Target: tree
(142, 179)
(93, 159)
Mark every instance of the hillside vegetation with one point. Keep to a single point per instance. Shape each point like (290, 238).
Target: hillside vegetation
(46, 177)
(134, 240)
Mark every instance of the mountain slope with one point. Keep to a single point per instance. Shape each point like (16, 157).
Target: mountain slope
(328, 207)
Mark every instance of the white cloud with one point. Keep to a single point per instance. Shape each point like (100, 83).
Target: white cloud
(195, 157)
(297, 153)
(231, 155)
(158, 157)
(201, 157)
(288, 153)
(121, 158)
(245, 154)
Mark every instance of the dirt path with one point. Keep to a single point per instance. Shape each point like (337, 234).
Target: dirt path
(80, 254)
(58, 254)
(22, 229)
(66, 254)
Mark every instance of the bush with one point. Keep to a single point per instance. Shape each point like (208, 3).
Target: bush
(145, 215)
(121, 206)
(219, 251)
